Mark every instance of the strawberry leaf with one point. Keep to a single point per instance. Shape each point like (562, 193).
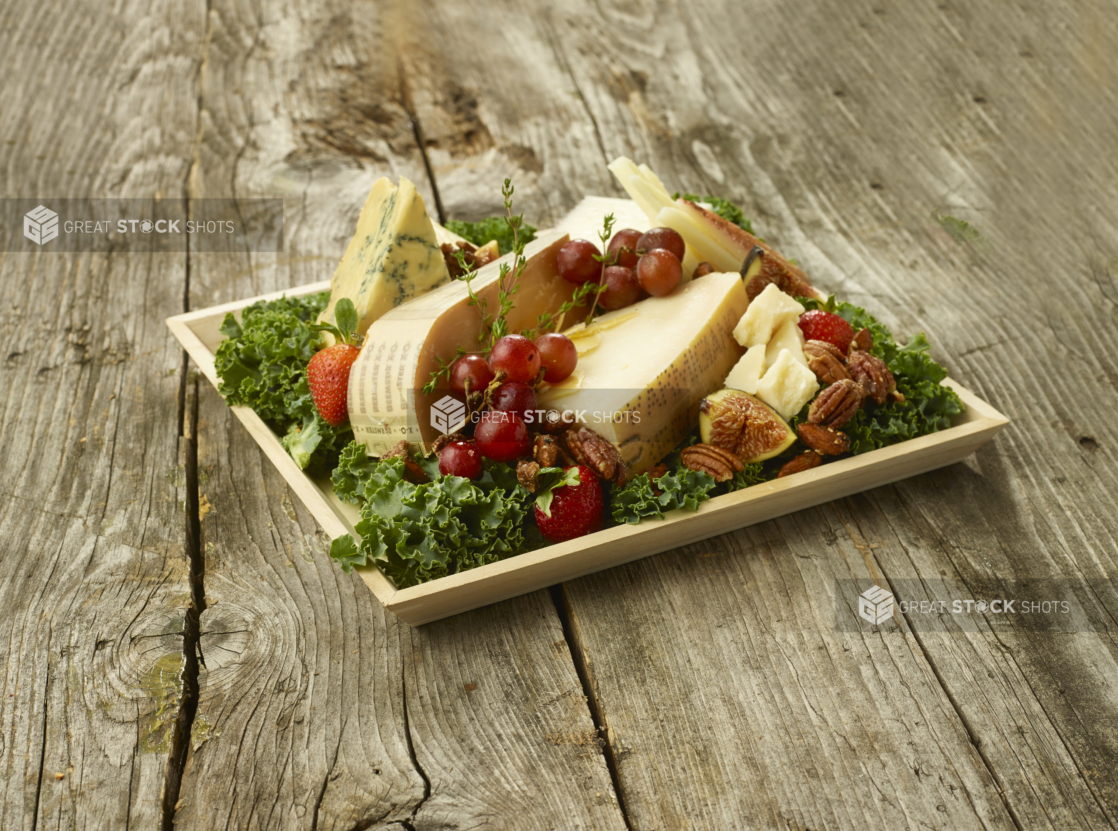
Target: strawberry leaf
(346, 315)
(549, 480)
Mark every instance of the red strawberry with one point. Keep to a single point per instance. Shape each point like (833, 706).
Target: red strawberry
(820, 325)
(328, 377)
(573, 507)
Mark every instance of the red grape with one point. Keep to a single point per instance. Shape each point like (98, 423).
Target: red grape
(460, 458)
(558, 354)
(515, 397)
(659, 272)
(622, 288)
(502, 437)
(667, 239)
(576, 261)
(623, 248)
(471, 368)
(518, 357)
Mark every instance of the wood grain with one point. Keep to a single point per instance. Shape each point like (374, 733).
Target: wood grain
(317, 708)
(858, 142)
(93, 532)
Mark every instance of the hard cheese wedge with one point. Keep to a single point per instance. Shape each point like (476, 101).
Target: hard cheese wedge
(394, 255)
(640, 386)
(404, 346)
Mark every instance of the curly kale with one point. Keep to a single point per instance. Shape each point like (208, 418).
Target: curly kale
(262, 364)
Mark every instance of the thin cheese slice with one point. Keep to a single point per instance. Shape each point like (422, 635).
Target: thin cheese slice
(394, 255)
(642, 385)
(648, 192)
(403, 348)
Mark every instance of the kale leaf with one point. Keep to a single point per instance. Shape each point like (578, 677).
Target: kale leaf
(493, 227)
(415, 533)
(262, 364)
(642, 497)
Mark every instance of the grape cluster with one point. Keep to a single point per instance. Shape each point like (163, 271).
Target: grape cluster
(635, 265)
(508, 382)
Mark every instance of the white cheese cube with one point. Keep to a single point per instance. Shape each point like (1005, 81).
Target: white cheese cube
(765, 314)
(747, 372)
(787, 385)
(787, 336)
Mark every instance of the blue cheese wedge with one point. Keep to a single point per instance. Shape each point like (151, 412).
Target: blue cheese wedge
(393, 256)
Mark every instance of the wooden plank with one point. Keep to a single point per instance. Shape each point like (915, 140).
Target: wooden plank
(347, 688)
(858, 141)
(93, 534)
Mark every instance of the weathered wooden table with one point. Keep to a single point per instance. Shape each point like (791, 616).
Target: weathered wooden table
(179, 648)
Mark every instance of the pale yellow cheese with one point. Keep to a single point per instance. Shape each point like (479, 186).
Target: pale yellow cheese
(641, 386)
(403, 348)
(747, 372)
(788, 335)
(764, 316)
(394, 255)
(787, 385)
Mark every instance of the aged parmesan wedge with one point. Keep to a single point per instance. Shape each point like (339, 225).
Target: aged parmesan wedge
(641, 387)
(394, 255)
(403, 348)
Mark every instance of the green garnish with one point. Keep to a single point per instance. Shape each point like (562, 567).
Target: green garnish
(490, 228)
(723, 207)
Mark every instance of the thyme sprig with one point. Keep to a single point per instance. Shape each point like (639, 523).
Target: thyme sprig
(604, 235)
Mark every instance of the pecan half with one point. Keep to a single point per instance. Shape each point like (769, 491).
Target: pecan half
(414, 473)
(825, 440)
(863, 340)
(526, 474)
(597, 453)
(702, 270)
(545, 451)
(872, 374)
(805, 461)
(825, 360)
(656, 471)
(837, 404)
(442, 441)
(401, 448)
(707, 458)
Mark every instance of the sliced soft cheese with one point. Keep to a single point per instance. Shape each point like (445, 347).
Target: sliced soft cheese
(787, 385)
(394, 255)
(764, 316)
(642, 385)
(403, 348)
(788, 335)
(747, 372)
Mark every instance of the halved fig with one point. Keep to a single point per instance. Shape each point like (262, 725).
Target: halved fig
(744, 425)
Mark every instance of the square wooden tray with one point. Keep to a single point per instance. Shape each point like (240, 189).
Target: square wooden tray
(199, 334)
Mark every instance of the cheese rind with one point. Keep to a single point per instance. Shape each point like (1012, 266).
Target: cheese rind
(403, 348)
(641, 386)
(394, 255)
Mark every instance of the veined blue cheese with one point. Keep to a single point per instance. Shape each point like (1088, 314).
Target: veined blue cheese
(393, 257)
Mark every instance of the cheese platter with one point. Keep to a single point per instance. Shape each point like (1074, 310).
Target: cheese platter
(471, 420)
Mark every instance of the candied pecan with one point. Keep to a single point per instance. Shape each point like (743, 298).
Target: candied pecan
(597, 453)
(702, 270)
(805, 461)
(526, 474)
(414, 473)
(555, 422)
(825, 360)
(401, 448)
(545, 451)
(837, 404)
(442, 441)
(872, 374)
(656, 471)
(863, 340)
(825, 440)
(719, 463)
